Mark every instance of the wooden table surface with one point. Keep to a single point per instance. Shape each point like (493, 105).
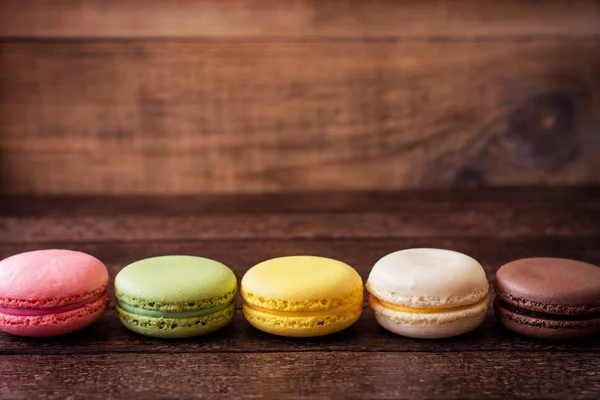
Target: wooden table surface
(364, 361)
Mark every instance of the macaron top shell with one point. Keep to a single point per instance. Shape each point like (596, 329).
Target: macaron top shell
(301, 283)
(161, 281)
(50, 278)
(550, 281)
(428, 278)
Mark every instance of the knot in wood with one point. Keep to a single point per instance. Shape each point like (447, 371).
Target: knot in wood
(542, 131)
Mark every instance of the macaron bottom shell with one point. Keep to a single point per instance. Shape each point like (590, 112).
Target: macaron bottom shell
(437, 325)
(302, 324)
(430, 331)
(176, 328)
(50, 325)
(545, 327)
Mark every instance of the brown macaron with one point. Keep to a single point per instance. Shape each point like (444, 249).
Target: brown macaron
(549, 298)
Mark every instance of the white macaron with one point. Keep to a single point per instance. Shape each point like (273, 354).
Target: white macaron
(428, 293)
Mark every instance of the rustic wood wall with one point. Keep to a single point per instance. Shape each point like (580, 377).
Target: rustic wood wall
(174, 97)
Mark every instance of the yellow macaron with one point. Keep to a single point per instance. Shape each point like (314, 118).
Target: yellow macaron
(302, 296)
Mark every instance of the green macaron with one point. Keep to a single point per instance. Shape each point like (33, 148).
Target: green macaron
(175, 296)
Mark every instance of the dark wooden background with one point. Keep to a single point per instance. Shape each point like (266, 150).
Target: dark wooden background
(251, 129)
(185, 97)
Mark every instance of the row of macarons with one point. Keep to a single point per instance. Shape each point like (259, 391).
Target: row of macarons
(419, 293)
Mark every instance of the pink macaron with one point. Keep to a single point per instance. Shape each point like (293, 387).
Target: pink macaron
(51, 292)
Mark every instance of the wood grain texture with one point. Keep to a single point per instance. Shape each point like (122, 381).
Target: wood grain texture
(508, 214)
(408, 223)
(306, 375)
(465, 222)
(296, 19)
(177, 117)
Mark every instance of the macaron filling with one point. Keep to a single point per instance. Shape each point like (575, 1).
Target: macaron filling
(542, 315)
(35, 312)
(165, 314)
(413, 310)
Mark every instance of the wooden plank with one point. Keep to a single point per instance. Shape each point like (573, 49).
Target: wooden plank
(177, 117)
(419, 216)
(304, 375)
(297, 19)
(501, 223)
